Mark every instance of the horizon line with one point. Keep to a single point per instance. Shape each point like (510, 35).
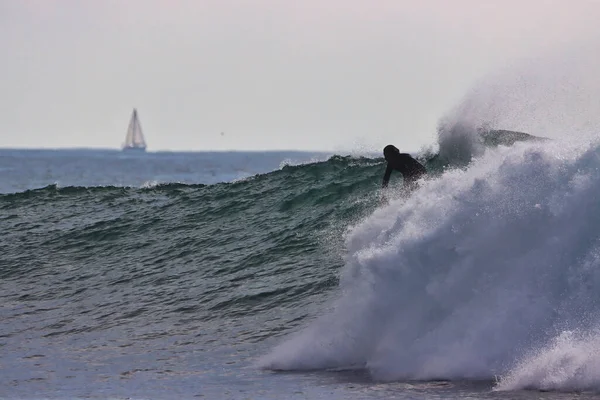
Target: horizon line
(117, 150)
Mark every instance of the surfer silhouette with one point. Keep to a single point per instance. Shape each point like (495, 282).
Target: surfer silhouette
(410, 168)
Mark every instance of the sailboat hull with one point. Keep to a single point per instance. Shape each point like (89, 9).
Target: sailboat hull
(134, 149)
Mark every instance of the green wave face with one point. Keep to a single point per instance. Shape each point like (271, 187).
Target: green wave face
(292, 219)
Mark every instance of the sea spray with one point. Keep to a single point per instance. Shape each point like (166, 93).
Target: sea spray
(569, 362)
(459, 141)
(475, 269)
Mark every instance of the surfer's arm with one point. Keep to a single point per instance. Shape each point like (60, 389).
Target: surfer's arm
(386, 177)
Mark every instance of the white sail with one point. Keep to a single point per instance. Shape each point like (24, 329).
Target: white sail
(135, 137)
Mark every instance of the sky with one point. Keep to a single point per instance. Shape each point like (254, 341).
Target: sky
(264, 74)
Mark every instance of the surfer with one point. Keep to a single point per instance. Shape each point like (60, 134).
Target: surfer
(410, 168)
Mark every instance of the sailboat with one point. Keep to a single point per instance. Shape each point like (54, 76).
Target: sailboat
(134, 141)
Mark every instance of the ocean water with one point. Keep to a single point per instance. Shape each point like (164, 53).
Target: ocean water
(292, 276)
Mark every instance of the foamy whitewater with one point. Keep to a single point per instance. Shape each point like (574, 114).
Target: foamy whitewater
(486, 272)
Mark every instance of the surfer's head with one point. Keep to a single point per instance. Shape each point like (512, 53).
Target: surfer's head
(389, 151)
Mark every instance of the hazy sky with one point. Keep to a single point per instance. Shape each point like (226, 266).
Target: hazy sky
(269, 74)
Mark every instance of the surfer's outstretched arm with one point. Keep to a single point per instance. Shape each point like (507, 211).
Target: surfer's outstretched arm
(386, 177)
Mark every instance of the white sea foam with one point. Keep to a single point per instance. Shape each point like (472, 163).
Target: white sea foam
(571, 361)
(478, 274)
(150, 184)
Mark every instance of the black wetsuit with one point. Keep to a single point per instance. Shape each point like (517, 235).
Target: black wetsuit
(410, 168)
